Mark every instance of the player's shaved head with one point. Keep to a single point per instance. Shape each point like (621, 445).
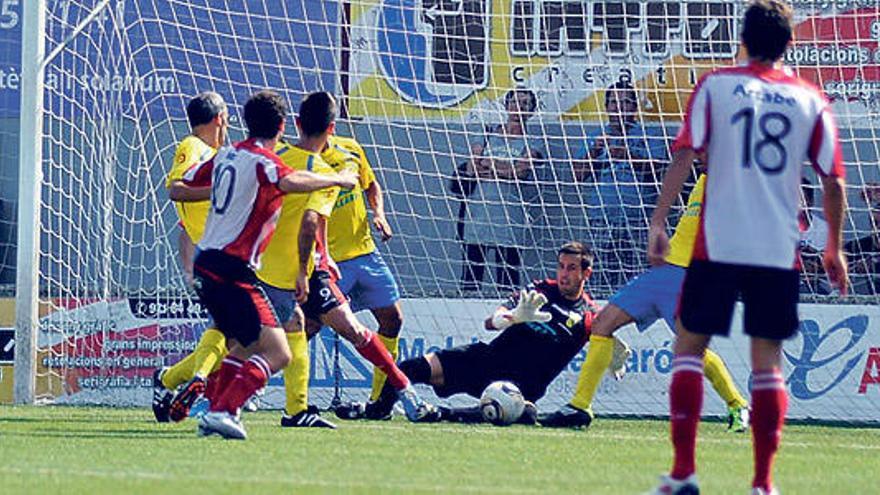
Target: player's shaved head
(316, 112)
(767, 29)
(204, 107)
(264, 113)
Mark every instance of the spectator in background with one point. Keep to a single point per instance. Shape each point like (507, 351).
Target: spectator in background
(622, 165)
(814, 233)
(864, 253)
(499, 168)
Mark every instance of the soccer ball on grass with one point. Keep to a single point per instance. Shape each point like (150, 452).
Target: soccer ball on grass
(502, 403)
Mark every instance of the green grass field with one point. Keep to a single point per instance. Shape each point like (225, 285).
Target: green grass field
(96, 451)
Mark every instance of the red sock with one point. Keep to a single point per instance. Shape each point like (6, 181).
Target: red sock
(685, 405)
(220, 379)
(252, 376)
(377, 354)
(769, 403)
(211, 384)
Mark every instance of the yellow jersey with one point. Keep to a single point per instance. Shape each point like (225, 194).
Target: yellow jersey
(279, 265)
(191, 151)
(348, 231)
(681, 246)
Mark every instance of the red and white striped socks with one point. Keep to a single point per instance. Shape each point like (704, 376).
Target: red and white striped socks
(685, 404)
(769, 403)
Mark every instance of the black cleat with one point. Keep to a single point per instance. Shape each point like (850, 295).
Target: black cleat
(310, 418)
(161, 397)
(351, 410)
(567, 416)
(184, 400)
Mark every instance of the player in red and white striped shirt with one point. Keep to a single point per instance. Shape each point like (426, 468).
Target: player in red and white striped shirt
(246, 183)
(756, 124)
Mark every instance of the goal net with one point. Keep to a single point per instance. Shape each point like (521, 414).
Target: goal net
(495, 137)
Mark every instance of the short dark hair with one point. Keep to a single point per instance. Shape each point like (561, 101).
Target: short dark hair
(767, 29)
(316, 112)
(204, 107)
(622, 86)
(533, 98)
(263, 114)
(578, 248)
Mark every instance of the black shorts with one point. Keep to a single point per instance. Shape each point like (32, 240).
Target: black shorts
(228, 288)
(469, 369)
(710, 291)
(324, 295)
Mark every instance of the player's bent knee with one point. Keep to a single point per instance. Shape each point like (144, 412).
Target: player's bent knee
(609, 320)
(390, 320)
(437, 379)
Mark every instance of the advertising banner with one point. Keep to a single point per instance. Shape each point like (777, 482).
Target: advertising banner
(105, 352)
(441, 59)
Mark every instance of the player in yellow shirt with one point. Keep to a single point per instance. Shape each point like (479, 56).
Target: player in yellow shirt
(296, 270)
(209, 120)
(366, 279)
(645, 299)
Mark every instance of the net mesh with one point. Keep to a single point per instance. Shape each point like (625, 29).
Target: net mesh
(491, 129)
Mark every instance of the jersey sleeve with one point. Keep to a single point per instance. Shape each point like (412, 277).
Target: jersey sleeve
(694, 134)
(824, 153)
(367, 176)
(183, 157)
(275, 170)
(322, 201)
(199, 175)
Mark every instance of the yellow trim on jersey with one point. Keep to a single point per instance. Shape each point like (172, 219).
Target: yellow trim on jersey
(279, 263)
(191, 151)
(348, 231)
(681, 246)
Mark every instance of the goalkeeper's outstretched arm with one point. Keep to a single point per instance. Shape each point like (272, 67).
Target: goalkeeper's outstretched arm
(528, 308)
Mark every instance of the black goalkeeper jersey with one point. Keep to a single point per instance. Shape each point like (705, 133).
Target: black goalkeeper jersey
(534, 353)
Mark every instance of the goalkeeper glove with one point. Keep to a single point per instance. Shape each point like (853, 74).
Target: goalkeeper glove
(619, 356)
(527, 309)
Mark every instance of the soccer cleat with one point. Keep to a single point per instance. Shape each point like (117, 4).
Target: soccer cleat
(351, 410)
(760, 491)
(310, 418)
(417, 410)
(738, 419)
(161, 397)
(567, 416)
(672, 486)
(619, 357)
(184, 400)
(200, 408)
(222, 423)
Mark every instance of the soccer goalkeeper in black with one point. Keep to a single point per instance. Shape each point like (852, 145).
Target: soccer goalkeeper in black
(543, 327)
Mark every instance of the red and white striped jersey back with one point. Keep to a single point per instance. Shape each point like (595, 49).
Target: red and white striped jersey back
(245, 198)
(758, 126)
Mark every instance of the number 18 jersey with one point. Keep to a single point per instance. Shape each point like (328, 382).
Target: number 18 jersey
(757, 126)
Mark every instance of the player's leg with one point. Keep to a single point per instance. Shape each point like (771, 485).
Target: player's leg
(713, 366)
(206, 358)
(707, 301)
(473, 267)
(365, 342)
(770, 298)
(297, 411)
(263, 350)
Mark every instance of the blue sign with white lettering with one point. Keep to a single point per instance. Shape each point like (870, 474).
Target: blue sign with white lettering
(146, 58)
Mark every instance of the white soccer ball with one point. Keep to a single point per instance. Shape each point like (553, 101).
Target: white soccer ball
(502, 403)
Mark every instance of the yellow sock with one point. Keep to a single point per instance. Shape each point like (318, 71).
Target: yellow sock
(598, 358)
(204, 359)
(209, 352)
(180, 373)
(717, 374)
(379, 377)
(296, 374)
